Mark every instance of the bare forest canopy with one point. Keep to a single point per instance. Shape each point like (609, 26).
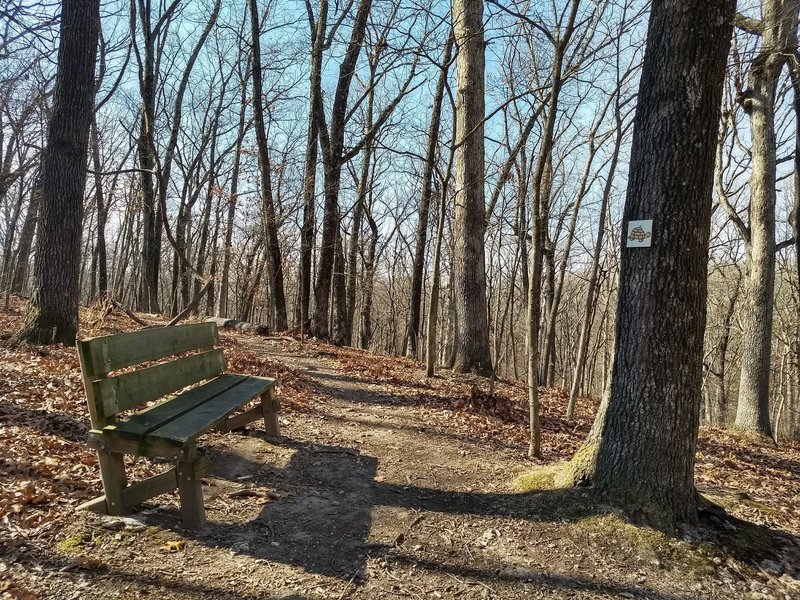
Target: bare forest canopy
(445, 182)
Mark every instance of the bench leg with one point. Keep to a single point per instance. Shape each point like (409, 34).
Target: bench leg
(269, 406)
(112, 473)
(188, 471)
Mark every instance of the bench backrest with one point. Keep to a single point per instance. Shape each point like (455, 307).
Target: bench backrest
(108, 396)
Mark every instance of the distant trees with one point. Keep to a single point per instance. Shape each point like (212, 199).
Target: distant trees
(52, 315)
(428, 175)
(322, 167)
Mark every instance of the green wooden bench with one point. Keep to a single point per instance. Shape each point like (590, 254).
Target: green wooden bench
(171, 427)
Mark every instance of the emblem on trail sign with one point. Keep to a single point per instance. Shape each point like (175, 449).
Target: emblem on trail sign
(640, 234)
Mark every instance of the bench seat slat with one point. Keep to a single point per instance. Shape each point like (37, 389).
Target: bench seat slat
(210, 414)
(145, 421)
(190, 424)
(111, 352)
(129, 390)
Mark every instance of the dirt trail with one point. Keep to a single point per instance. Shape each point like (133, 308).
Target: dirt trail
(365, 498)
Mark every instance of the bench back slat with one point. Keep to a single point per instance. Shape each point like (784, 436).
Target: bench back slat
(102, 355)
(115, 394)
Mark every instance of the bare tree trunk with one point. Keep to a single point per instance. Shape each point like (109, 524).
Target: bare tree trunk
(223, 309)
(151, 218)
(433, 310)
(268, 207)
(52, 315)
(472, 352)
(339, 317)
(719, 363)
(310, 172)
(205, 232)
(583, 188)
(358, 213)
(779, 40)
(333, 145)
(211, 299)
(6, 273)
(522, 223)
(26, 236)
(155, 206)
(583, 339)
(425, 200)
(432, 350)
(123, 251)
(369, 281)
(101, 206)
(646, 451)
(541, 197)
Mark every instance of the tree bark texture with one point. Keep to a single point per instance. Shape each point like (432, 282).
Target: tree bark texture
(472, 352)
(53, 310)
(646, 453)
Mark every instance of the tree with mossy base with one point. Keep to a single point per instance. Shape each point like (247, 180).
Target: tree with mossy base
(52, 315)
(641, 454)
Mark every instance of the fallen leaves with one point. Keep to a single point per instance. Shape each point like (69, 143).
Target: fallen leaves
(46, 468)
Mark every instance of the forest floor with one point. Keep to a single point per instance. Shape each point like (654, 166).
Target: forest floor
(385, 485)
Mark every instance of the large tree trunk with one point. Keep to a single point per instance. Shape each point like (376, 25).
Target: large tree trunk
(472, 352)
(53, 310)
(646, 454)
(779, 41)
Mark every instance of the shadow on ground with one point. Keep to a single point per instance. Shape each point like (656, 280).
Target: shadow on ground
(321, 520)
